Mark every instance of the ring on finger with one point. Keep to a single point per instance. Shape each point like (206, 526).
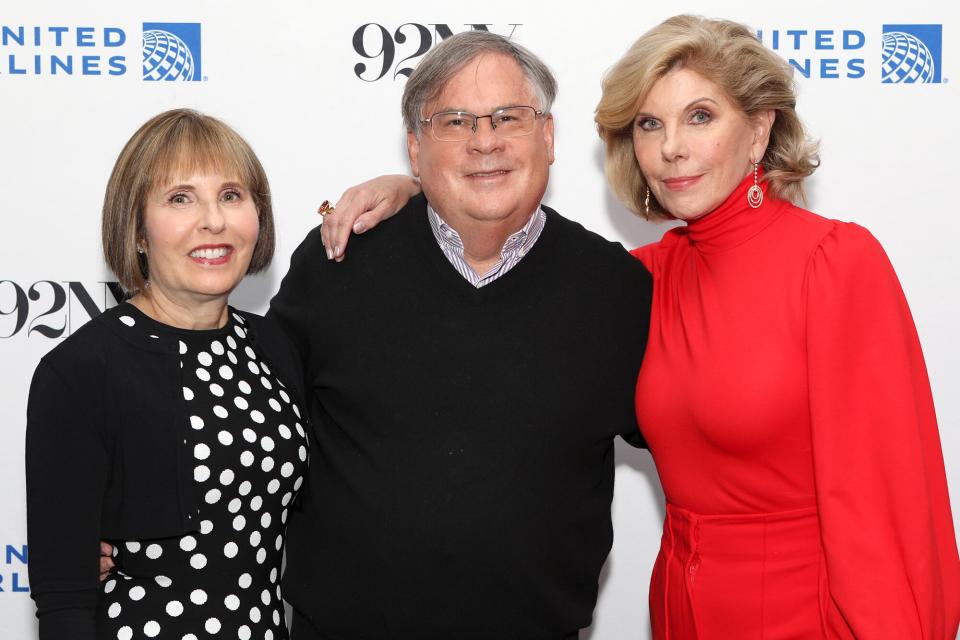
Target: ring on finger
(326, 209)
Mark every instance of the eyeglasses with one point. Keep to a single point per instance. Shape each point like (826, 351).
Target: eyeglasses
(454, 126)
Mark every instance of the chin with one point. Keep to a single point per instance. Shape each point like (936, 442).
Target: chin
(687, 211)
(214, 289)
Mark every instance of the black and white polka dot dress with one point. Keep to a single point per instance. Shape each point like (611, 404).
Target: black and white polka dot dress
(250, 457)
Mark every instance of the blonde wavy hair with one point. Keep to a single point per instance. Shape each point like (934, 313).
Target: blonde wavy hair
(729, 55)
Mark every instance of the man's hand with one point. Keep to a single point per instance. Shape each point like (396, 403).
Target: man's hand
(363, 207)
(106, 560)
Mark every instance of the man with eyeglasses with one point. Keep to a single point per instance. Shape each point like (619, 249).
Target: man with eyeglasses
(470, 365)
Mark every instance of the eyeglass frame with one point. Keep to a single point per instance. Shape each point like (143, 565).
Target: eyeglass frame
(537, 114)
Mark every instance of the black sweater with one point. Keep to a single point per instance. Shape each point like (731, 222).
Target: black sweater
(463, 479)
(109, 456)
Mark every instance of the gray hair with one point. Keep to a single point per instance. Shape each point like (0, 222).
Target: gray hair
(450, 56)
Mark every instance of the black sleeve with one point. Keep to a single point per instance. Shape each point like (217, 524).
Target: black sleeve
(635, 439)
(67, 467)
(638, 300)
(294, 306)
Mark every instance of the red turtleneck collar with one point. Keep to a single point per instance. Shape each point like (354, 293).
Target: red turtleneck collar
(734, 221)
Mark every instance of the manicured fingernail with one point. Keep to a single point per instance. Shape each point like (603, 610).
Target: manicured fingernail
(358, 228)
(336, 252)
(329, 254)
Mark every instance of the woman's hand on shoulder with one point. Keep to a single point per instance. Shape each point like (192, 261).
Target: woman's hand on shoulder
(363, 207)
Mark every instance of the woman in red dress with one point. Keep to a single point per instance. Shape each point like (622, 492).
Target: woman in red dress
(783, 392)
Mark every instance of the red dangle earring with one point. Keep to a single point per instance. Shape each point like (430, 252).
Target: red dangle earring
(755, 193)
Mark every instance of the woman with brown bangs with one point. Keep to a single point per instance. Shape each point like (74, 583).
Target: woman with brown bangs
(171, 425)
(783, 393)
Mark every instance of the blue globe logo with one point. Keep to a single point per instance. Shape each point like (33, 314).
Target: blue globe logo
(906, 59)
(166, 57)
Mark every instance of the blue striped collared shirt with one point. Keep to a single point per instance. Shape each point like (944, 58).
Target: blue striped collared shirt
(514, 249)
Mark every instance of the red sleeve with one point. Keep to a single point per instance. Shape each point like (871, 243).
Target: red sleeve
(890, 551)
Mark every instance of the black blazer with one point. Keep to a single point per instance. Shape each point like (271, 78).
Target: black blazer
(108, 455)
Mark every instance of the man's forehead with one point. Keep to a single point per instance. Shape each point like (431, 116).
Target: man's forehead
(487, 81)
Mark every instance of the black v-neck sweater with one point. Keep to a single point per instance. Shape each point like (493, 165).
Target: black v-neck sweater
(462, 483)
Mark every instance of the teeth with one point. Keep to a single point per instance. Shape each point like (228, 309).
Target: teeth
(209, 254)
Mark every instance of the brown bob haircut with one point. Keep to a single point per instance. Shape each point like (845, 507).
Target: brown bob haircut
(179, 142)
(729, 55)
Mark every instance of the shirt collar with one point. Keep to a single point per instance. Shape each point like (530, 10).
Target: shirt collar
(521, 240)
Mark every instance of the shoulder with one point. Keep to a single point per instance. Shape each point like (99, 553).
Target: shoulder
(268, 336)
(645, 253)
(86, 347)
(388, 238)
(831, 237)
(263, 330)
(845, 258)
(593, 249)
(820, 230)
(81, 361)
(849, 250)
(395, 234)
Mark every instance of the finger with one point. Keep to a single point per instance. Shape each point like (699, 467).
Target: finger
(330, 229)
(106, 566)
(350, 206)
(375, 216)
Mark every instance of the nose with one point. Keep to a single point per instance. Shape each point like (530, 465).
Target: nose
(485, 139)
(674, 144)
(212, 218)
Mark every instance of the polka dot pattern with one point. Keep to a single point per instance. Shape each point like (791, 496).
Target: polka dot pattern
(246, 451)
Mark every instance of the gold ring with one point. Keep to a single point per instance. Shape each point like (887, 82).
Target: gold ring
(326, 209)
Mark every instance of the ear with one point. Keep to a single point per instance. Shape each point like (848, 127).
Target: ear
(548, 136)
(762, 124)
(413, 152)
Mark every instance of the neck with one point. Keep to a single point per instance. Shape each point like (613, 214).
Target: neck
(483, 240)
(193, 314)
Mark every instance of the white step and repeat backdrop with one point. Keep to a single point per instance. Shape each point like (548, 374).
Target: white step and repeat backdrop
(315, 88)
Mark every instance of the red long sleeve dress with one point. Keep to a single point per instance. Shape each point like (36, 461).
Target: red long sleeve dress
(785, 400)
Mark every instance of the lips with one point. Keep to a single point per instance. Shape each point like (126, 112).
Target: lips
(490, 173)
(681, 182)
(211, 254)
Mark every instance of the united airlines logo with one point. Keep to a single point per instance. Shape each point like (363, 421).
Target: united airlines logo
(895, 53)
(912, 53)
(171, 51)
(13, 568)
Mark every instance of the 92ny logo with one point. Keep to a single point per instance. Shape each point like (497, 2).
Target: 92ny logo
(374, 41)
(52, 309)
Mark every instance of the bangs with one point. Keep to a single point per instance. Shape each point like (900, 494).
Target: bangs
(194, 147)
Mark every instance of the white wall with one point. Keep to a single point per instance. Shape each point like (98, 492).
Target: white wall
(283, 74)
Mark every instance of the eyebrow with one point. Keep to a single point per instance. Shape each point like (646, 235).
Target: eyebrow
(703, 99)
(189, 187)
(179, 187)
(690, 104)
(464, 110)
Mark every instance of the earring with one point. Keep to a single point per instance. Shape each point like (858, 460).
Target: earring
(140, 250)
(646, 203)
(755, 193)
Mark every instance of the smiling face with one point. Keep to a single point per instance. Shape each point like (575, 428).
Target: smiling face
(693, 145)
(486, 178)
(200, 232)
